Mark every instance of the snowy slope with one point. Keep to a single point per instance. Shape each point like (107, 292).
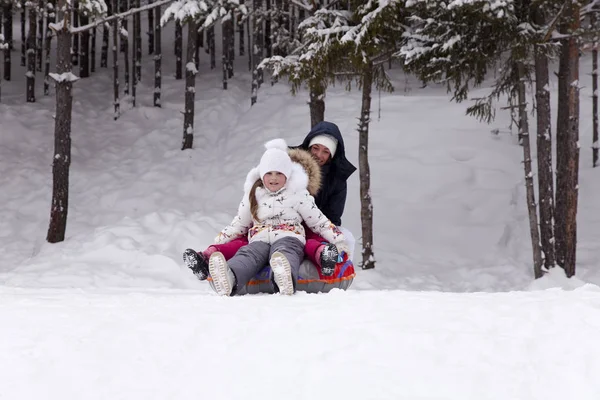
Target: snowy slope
(112, 313)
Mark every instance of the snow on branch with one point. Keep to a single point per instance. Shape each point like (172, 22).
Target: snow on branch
(119, 16)
(204, 12)
(67, 76)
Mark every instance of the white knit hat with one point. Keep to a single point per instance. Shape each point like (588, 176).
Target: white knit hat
(276, 158)
(326, 140)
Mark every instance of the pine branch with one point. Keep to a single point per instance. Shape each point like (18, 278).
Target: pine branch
(132, 11)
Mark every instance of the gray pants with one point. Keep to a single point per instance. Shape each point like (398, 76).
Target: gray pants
(250, 259)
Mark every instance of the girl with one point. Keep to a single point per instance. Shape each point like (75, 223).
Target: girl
(275, 203)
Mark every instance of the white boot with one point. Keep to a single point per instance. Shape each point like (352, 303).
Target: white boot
(282, 272)
(222, 276)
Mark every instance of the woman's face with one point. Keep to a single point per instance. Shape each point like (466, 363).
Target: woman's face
(274, 180)
(320, 153)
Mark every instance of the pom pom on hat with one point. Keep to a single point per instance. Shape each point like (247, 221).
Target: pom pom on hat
(326, 140)
(275, 158)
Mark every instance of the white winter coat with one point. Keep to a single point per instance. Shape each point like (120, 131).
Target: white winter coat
(280, 214)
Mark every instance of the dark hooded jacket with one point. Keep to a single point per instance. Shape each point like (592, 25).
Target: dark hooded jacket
(331, 199)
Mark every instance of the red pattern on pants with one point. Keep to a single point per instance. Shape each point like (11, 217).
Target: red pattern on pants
(228, 249)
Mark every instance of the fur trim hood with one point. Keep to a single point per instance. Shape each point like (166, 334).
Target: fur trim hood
(306, 173)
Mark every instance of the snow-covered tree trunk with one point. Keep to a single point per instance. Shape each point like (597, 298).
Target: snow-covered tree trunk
(249, 33)
(567, 140)
(7, 23)
(62, 129)
(316, 102)
(260, 39)
(31, 52)
(544, 152)
(134, 60)
(23, 36)
(75, 51)
(150, 29)
(595, 145)
(157, 58)
(106, 35)
(253, 57)
(48, 47)
(225, 49)
(190, 87)
(138, 43)
(3, 48)
(84, 48)
(366, 203)
(240, 26)
(40, 36)
(178, 50)
(115, 51)
(523, 124)
(126, 63)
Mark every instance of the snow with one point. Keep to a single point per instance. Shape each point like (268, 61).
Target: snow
(67, 76)
(451, 310)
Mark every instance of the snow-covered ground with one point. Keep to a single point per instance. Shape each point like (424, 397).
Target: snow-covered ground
(450, 312)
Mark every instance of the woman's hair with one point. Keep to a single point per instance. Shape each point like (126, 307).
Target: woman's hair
(252, 198)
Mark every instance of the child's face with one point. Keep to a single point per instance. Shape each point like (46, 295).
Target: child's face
(274, 180)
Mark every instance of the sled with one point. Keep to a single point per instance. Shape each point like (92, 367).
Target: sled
(310, 280)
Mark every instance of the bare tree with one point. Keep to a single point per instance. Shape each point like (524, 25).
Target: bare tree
(62, 128)
(190, 87)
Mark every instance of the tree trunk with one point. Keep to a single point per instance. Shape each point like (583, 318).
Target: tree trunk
(225, 56)
(31, 53)
(178, 50)
(544, 154)
(116, 28)
(317, 102)
(138, 44)
(126, 66)
(134, 61)
(7, 22)
(157, 58)
(190, 87)
(151, 29)
(106, 35)
(51, 19)
(212, 47)
(7, 19)
(595, 144)
(259, 44)
(40, 36)
(93, 50)
(530, 191)
(567, 165)
(75, 51)
(230, 46)
(84, 49)
(23, 36)
(366, 204)
(62, 131)
(240, 26)
(268, 44)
